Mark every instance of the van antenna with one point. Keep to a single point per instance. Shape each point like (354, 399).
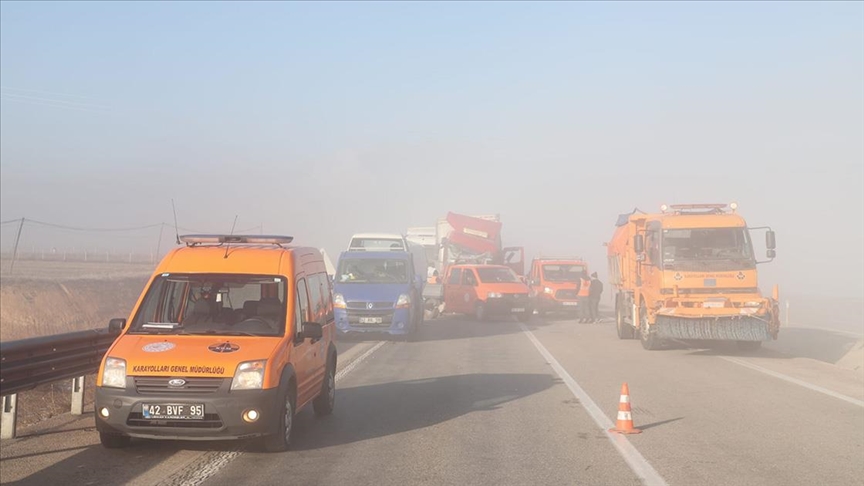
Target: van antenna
(232, 232)
(176, 229)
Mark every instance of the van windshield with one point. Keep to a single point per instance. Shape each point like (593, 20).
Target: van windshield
(497, 275)
(213, 304)
(562, 273)
(372, 270)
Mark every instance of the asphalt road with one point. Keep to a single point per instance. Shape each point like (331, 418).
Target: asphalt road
(501, 403)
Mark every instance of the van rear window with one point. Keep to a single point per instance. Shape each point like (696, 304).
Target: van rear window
(226, 305)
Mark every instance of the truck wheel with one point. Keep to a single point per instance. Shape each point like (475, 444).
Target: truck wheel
(650, 341)
(625, 330)
(114, 441)
(480, 312)
(281, 439)
(324, 403)
(749, 345)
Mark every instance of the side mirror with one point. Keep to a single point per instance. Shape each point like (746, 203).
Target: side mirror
(117, 324)
(639, 243)
(772, 253)
(770, 241)
(312, 330)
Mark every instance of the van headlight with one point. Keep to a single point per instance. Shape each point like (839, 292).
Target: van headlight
(403, 302)
(249, 375)
(548, 290)
(114, 373)
(339, 301)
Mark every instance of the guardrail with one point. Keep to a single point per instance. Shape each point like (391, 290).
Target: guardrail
(28, 363)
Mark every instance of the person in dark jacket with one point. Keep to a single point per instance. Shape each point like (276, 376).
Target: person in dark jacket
(595, 291)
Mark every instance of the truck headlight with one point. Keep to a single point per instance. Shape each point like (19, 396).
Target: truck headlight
(339, 301)
(493, 295)
(403, 302)
(249, 376)
(114, 373)
(548, 290)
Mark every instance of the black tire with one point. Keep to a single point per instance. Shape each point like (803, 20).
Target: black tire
(748, 346)
(326, 400)
(625, 330)
(114, 441)
(281, 440)
(650, 341)
(480, 312)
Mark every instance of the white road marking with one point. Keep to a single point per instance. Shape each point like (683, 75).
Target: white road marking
(212, 463)
(350, 366)
(810, 386)
(638, 464)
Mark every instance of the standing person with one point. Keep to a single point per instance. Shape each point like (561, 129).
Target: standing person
(594, 296)
(584, 297)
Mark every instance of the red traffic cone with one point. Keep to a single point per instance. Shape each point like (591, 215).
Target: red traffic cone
(624, 424)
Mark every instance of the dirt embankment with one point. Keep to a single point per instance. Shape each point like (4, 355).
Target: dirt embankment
(39, 307)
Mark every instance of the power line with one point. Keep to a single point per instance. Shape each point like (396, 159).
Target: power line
(39, 91)
(10, 221)
(80, 228)
(76, 104)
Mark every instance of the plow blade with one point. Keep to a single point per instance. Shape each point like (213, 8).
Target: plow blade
(736, 328)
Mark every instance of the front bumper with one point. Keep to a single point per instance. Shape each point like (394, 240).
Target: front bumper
(394, 322)
(505, 306)
(551, 304)
(223, 410)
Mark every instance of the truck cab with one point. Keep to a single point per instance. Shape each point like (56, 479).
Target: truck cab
(555, 283)
(378, 292)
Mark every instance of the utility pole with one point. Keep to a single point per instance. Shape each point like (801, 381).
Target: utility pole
(15, 249)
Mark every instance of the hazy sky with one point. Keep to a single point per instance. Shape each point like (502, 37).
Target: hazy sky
(325, 119)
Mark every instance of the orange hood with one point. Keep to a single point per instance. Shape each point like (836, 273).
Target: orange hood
(155, 355)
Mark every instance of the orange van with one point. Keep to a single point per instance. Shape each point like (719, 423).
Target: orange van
(555, 283)
(232, 336)
(486, 290)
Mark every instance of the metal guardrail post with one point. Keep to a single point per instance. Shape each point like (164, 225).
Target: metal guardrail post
(10, 416)
(78, 395)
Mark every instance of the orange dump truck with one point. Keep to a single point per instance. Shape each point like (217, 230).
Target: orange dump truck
(689, 273)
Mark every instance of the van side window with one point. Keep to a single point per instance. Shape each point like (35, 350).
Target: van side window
(468, 277)
(455, 276)
(316, 304)
(301, 312)
(327, 293)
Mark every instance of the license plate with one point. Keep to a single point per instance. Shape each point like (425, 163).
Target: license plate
(173, 411)
(371, 320)
(571, 303)
(713, 305)
(517, 309)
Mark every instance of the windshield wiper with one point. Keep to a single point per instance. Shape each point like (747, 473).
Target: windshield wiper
(224, 333)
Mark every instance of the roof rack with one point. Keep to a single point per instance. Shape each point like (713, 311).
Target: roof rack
(196, 240)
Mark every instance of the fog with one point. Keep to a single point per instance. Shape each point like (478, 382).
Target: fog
(322, 120)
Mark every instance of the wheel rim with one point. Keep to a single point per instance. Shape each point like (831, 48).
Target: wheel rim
(289, 418)
(643, 323)
(331, 388)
